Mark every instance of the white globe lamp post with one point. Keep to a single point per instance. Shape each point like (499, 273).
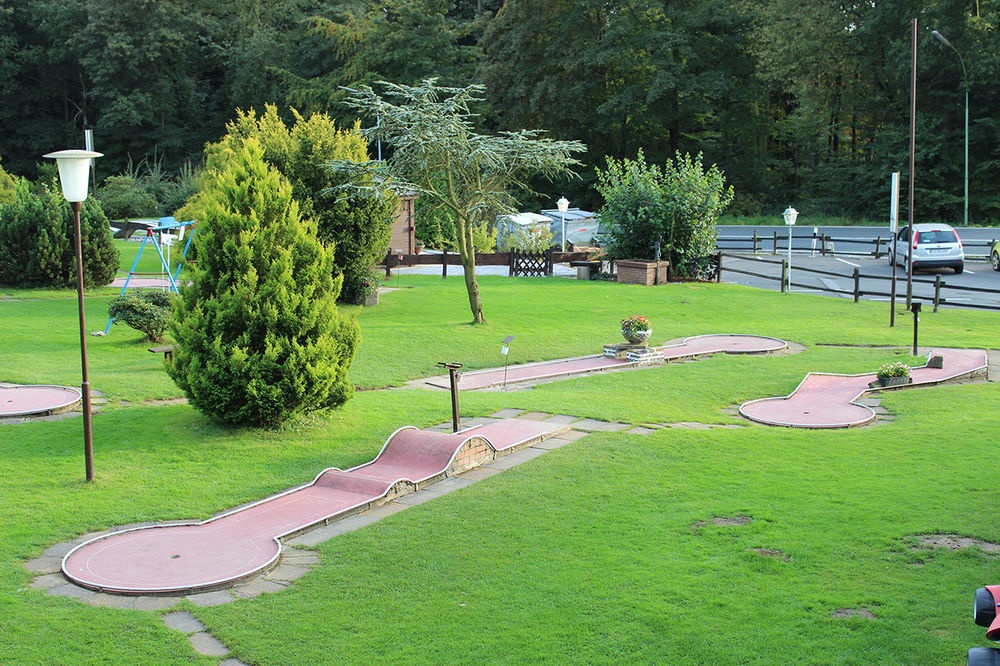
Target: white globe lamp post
(74, 176)
(563, 206)
(790, 214)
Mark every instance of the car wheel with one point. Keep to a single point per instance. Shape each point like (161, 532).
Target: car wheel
(959, 269)
(984, 609)
(995, 258)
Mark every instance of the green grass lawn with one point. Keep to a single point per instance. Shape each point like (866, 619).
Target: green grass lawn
(602, 552)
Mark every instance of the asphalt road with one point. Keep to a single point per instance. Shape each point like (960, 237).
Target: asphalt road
(841, 240)
(875, 278)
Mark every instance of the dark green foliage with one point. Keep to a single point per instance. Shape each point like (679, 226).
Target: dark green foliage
(257, 332)
(125, 197)
(817, 118)
(37, 241)
(145, 310)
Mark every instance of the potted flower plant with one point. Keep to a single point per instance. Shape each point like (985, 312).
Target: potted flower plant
(896, 373)
(636, 329)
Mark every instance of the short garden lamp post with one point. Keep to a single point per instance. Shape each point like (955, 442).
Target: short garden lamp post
(563, 206)
(790, 214)
(74, 176)
(505, 350)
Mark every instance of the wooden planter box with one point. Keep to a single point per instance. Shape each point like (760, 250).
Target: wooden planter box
(638, 271)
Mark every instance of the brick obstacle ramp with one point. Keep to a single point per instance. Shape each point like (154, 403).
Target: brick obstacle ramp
(244, 542)
(829, 401)
(36, 400)
(699, 345)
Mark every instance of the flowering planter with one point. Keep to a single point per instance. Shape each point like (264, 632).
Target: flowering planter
(894, 381)
(889, 382)
(638, 271)
(638, 337)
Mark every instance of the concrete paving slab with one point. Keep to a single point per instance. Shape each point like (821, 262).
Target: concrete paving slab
(184, 622)
(207, 599)
(259, 586)
(208, 645)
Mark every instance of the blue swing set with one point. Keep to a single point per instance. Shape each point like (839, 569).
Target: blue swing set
(166, 225)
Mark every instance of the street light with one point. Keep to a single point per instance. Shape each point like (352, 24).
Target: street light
(965, 84)
(790, 214)
(74, 172)
(563, 206)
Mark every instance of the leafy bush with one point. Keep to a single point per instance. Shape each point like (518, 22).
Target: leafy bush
(356, 227)
(37, 245)
(145, 310)
(126, 197)
(651, 211)
(258, 338)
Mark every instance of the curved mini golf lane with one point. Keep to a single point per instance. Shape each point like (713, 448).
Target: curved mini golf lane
(36, 399)
(242, 543)
(699, 345)
(829, 401)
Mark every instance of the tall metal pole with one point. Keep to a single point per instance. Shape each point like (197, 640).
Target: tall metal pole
(88, 431)
(965, 203)
(965, 84)
(913, 162)
(789, 259)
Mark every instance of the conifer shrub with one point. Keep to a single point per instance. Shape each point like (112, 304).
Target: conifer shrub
(258, 337)
(8, 183)
(37, 245)
(356, 225)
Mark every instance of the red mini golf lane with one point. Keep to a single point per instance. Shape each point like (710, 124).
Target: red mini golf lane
(828, 401)
(699, 345)
(36, 399)
(185, 558)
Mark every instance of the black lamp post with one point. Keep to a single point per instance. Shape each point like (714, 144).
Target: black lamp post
(74, 172)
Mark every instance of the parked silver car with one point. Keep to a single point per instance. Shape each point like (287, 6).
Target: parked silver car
(935, 245)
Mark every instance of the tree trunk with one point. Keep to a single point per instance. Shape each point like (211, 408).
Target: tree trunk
(467, 252)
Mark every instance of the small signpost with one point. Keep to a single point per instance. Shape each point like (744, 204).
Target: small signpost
(505, 350)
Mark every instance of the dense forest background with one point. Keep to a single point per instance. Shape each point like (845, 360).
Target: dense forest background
(804, 103)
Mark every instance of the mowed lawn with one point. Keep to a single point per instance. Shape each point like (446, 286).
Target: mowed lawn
(735, 545)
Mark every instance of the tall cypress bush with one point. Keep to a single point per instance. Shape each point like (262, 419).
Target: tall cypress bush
(258, 337)
(357, 228)
(37, 247)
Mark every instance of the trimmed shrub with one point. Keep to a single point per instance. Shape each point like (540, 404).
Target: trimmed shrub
(145, 310)
(669, 212)
(37, 241)
(258, 338)
(126, 197)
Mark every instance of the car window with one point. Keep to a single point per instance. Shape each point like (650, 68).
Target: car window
(936, 236)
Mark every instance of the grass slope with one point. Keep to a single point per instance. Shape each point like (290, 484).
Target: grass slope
(603, 551)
